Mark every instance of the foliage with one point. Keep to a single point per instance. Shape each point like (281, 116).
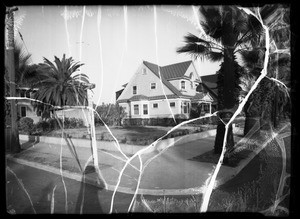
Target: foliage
(168, 205)
(110, 114)
(52, 124)
(58, 85)
(26, 125)
(270, 100)
(72, 123)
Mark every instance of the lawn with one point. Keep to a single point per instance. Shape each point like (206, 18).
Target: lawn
(131, 135)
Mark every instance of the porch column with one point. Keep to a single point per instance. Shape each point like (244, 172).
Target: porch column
(209, 107)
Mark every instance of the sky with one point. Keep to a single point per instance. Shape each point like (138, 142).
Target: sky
(111, 41)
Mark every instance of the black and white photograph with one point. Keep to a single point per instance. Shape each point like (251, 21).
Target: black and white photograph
(123, 109)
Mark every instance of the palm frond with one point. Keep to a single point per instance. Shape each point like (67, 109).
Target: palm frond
(215, 56)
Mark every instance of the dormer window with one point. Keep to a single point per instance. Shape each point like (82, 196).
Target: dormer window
(182, 85)
(134, 89)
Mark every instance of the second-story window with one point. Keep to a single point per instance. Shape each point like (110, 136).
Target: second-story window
(134, 90)
(153, 86)
(23, 111)
(182, 85)
(172, 104)
(22, 93)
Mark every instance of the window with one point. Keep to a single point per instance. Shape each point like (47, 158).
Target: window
(134, 90)
(144, 72)
(145, 109)
(192, 85)
(23, 111)
(22, 93)
(172, 104)
(155, 105)
(183, 85)
(136, 109)
(185, 107)
(153, 86)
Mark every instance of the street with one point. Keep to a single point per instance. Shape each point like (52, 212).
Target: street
(39, 186)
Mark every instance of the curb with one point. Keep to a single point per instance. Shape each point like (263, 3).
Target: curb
(112, 146)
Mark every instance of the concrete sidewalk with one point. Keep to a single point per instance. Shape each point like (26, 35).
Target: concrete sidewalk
(170, 173)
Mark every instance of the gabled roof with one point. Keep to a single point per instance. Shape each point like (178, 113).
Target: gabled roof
(175, 70)
(210, 81)
(154, 69)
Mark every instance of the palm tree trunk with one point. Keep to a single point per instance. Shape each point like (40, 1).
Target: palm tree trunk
(13, 143)
(226, 102)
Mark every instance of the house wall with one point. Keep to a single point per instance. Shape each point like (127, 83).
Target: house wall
(30, 112)
(143, 81)
(163, 110)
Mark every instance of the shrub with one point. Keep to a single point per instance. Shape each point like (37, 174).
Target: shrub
(43, 126)
(54, 123)
(111, 114)
(26, 125)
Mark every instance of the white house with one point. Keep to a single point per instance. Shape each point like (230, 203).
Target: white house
(159, 92)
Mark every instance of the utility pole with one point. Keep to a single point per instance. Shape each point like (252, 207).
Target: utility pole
(12, 144)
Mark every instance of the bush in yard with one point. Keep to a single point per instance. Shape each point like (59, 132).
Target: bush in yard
(54, 123)
(43, 126)
(26, 125)
(111, 114)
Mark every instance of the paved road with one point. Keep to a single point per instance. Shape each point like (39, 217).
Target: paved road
(40, 184)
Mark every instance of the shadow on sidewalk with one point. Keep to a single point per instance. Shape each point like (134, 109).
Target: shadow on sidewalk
(88, 202)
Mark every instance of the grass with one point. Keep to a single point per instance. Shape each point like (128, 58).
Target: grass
(144, 135)
(254, 189)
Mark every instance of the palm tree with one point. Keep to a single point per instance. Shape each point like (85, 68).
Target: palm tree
(58, 85)
(269, 100)
(228, 31)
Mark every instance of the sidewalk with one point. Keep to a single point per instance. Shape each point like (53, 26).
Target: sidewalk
(171, 173)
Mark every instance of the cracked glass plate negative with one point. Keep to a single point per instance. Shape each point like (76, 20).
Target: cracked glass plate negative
(116, 109)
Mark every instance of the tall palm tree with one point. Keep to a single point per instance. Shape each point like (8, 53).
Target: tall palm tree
(59, 85)
(269, 100)
(228, 31)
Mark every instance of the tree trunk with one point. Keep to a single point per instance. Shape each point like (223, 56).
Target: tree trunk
(227, 101)
(14, 143)
(251, 122)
